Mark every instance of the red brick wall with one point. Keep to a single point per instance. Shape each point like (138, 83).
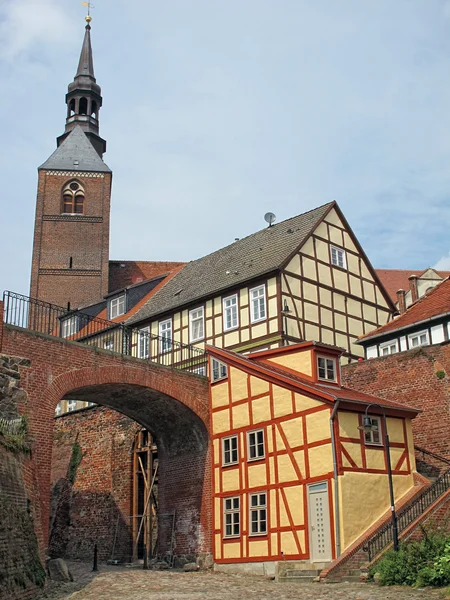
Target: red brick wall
(88, 511)
(411, 378)
(173, 405)
(84, 238)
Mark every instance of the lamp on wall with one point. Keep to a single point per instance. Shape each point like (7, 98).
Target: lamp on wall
(367, 426)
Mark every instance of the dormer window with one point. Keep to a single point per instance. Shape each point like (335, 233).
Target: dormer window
(69, 326)
(73, 199)
(117, 307)
(326, 368)
(338, 257)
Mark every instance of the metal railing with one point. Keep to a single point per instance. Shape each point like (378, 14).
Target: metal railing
(79, 326)
(384, 536)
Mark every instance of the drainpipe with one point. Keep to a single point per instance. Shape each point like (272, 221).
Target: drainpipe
(336, 481)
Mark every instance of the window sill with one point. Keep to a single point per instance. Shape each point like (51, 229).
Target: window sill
(258, 320)
(256, 459)
(374, 444)
(221, 380)
(231, 538)
(229, 465)
(231, 329)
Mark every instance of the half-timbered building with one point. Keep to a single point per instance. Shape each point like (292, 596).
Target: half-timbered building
(306, 278)
(292, 466)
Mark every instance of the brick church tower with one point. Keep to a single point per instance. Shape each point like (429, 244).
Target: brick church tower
(71, 235)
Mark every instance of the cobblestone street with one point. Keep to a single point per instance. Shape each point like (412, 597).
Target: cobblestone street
(118, 583)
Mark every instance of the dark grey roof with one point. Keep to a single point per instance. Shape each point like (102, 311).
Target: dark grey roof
(255, 255)
(76, 148)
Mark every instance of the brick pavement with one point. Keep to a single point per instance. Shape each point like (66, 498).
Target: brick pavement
(119, 583)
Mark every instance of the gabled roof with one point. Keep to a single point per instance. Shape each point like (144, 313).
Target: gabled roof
(285, 378)
(398, 279)
(123, 273)
(256, 255)
(431, 306)
(76, 153)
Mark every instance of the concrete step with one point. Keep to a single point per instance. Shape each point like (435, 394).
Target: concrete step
(300, 575)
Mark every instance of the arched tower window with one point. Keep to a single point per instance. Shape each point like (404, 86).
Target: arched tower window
(72, 107)
(83, 106)
(94, 109)
(73, 198)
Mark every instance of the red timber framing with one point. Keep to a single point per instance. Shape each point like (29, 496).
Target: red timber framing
(296, 441)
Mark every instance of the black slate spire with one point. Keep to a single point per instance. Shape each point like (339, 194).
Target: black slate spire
(84, 97)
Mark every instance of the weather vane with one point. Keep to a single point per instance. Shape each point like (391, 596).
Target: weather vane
(89, 6)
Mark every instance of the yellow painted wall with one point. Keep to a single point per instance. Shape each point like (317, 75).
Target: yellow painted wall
(300, 361)
(368, 490)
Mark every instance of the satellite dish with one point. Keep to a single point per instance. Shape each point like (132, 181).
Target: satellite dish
(269, 218)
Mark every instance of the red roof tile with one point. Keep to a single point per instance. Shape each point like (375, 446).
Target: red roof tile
(436, 302)
(326, 392)
(397, 279)
(123, 273)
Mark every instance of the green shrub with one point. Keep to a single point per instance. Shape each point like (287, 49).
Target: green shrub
(417, 563)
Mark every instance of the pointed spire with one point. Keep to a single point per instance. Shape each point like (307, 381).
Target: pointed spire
(84, 97)
(86, 63)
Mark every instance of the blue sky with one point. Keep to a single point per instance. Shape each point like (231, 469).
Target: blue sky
(218, 111)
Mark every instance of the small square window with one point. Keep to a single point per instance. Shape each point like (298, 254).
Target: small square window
(109, 344)
(199, 371)
(231, 511)
(117, 307)
(71, 405)
(326, 368)
(388, 348)
(258, 304)
(218, 370)
(255, 440)
(338, 257)
(69, 326)
(230, 450)
(196, 324)
(374, 436)
(258, 513)
(230, 313)
(418, 339)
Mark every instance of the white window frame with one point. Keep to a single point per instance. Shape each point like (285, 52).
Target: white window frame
(200, 318)
(230, 446)
(58, 409)
(165, 341)
(143, 342)
(418, 335)
(69, 326)
(257, 505)
(71, 405)
(258, 311)
(232, 517)
(335, 366)
(230, 308)
(373, 438)
(219, 370)
(257, 444)
(389, 346)
(117, 306)
(200, 370)
(336, 254)
(109, 344)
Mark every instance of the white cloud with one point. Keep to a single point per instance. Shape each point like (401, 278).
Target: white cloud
(26, 23)
(443, 264)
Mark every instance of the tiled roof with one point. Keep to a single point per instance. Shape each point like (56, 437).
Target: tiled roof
(246, 259)
(397, 279)
(433, 304)
(123, 273)
(327, 392)
(76, 153)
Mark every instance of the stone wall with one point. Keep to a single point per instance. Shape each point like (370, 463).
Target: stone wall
(92, 484)
(21, 571)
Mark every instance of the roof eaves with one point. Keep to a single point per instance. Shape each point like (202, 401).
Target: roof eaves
(368, 336)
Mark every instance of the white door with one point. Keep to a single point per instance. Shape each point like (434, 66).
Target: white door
(319, 523)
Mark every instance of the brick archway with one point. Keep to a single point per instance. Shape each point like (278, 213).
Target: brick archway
(143, 391)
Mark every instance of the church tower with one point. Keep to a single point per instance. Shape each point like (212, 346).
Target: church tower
(71, 235)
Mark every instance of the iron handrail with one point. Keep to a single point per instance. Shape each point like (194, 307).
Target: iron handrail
(384, 535)
(79, 326)
(432, 454)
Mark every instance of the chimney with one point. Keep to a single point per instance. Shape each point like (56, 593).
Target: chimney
(413, 288)
(401, 301)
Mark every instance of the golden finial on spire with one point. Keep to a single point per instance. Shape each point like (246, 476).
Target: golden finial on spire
(89, 6)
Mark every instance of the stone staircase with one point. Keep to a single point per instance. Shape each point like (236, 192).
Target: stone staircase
(298, 571)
